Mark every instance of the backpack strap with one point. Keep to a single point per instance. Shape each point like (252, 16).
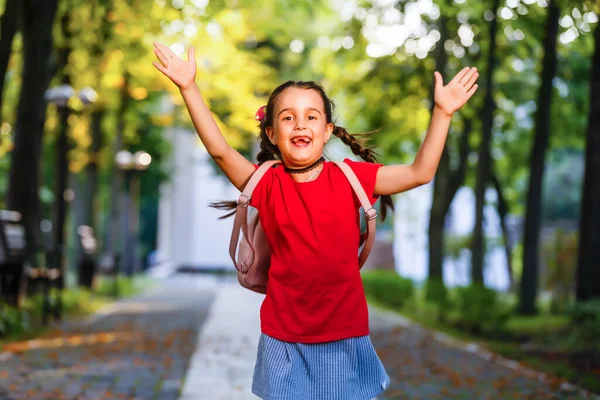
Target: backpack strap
(370, 212)
(241, 214)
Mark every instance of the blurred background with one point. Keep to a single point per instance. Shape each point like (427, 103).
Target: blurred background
(102, 177)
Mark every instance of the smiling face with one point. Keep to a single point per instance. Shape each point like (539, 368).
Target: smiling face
(300, 126)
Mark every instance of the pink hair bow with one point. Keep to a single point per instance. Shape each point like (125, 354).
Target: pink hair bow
(260, 114)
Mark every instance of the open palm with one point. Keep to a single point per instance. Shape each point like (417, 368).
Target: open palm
(457, 92)
(181, 72)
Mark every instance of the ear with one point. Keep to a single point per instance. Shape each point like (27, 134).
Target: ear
(328, 131)
(271, 134)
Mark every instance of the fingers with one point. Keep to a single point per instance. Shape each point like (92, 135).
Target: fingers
(192, 54)
(160, 67)
(472, 80)
(438, 78)
(472, 91)
(164, 54)
(468, 77)
(164, 50)
(461, 74)
(161, 57)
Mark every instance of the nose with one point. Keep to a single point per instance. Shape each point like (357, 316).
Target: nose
(300, 125)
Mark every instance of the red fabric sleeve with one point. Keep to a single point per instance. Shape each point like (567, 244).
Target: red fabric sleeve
(366, 173)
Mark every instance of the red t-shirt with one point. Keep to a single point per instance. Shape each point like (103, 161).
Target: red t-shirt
(315, 292)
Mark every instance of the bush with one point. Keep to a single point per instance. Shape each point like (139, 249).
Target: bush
(585, 320)
(437, 299)
(560, 255)
(436, 293)
(388, 287)
(13, 321)
(479, 309)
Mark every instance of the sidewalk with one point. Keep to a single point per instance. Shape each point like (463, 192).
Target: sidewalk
(222, 365)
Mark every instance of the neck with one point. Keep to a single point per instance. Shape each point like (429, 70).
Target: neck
(305, 169)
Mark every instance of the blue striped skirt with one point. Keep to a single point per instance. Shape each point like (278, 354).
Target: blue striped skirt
(347, 369)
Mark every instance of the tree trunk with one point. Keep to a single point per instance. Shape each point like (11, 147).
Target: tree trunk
(588, 267)
(9, 24)
(484, 159)
(87, 187)
(437, 214)
(62, 165)
(446, 185)
(529, 280)
(113, 231)
(503, 213)
(22, 196)
(92, 168)
(436, 232)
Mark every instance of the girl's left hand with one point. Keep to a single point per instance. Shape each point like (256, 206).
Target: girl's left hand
(457, 92)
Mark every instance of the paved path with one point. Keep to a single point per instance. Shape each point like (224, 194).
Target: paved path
(428, 365)
(139, 349)
(222, 366)
(193, 339)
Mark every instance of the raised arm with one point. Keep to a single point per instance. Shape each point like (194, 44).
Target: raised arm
(183, 73)
(392, 179)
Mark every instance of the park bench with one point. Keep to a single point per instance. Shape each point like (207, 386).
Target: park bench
(19, 275)
(12, 256)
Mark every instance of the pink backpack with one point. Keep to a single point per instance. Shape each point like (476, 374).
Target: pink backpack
(253, 252)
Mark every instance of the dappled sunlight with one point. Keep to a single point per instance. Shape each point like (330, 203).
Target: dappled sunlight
(141, 308)
(74, 341)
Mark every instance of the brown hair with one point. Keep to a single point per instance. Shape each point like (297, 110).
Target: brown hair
(268, 151)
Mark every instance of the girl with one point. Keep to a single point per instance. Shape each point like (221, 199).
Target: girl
(315, 341)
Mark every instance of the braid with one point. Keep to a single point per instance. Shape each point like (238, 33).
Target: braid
(357, 145)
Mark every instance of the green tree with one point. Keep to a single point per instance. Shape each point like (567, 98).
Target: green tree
(22, 194)
(9, 23)
(484, 160)
(529, 279)
(588, 273)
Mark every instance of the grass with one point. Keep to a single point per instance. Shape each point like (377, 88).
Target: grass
(537, 325)
(77, 303)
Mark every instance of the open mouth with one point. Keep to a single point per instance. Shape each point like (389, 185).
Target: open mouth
(301, 141)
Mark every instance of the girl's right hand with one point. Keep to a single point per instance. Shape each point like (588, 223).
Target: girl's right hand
(181, 72)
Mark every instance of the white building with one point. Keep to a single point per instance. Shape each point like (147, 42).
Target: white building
(189, 232)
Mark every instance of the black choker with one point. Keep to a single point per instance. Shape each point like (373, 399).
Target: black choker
(305, 169)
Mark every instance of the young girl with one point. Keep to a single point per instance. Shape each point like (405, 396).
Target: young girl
(315, 341)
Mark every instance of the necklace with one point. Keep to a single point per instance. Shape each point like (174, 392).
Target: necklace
(305, 169)
(310, 178)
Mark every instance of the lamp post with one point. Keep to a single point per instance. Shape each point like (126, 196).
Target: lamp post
(60, 96)
(132, 165)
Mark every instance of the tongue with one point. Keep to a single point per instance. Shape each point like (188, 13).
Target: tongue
(300, 143)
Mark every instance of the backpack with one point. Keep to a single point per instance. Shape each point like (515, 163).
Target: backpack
(251, 255)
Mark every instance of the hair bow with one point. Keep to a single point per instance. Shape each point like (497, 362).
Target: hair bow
(260, 114)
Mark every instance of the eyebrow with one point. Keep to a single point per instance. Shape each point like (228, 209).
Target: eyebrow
(290, 108)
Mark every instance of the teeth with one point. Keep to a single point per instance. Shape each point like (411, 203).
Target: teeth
(305, 140)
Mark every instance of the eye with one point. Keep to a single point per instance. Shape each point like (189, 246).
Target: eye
(288, 118)
(312, 117)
